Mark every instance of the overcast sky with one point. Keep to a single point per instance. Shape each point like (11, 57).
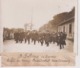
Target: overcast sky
(15, 13)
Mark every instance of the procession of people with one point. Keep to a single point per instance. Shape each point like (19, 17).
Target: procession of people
(42, 38)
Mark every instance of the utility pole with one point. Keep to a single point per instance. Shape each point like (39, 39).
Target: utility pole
(31, 19)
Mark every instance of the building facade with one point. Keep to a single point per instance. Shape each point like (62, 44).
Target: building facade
(67, 26)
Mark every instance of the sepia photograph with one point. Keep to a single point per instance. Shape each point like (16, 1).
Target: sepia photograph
(38, 26)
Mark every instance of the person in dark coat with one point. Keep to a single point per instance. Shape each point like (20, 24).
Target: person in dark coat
(25, 37)
(21, 36)
(42, 39)
(35, 37)
(62, 39)
(16, 37)
(47, 39)
(28, 37)
(57, 38)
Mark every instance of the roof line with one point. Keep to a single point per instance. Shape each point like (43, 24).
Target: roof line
(67, 20)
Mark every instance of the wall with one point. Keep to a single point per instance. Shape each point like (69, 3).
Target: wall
(69, 35)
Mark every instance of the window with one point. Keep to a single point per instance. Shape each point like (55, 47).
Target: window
(70, 28)
(64, 29)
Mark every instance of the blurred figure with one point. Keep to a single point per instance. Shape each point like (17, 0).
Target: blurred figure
(16, 37)
(62, 39)
(21, 37)
(26, 37)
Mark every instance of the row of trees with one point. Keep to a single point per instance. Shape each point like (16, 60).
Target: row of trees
(52, 25)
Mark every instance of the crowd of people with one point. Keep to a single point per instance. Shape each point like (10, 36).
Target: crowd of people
(41, 38)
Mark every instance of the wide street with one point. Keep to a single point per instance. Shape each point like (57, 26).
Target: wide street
(12, 46)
